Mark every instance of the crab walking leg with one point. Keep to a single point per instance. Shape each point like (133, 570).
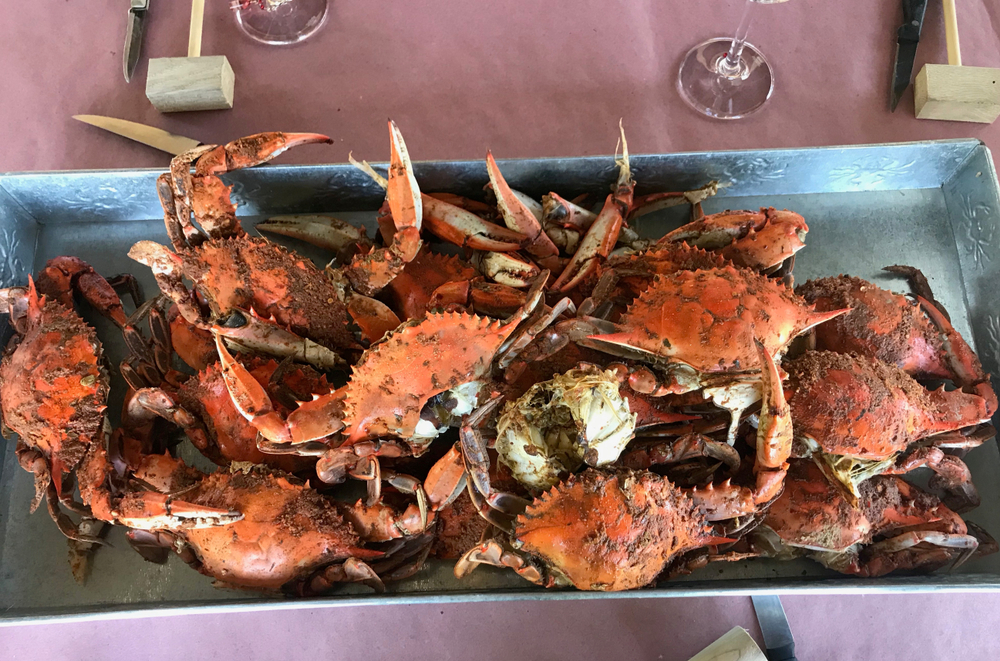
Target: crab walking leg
(658, 201)
(519, 217)
(311, 421)
(602, 236)
(455, 224)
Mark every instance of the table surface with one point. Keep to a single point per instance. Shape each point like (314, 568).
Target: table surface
(522, 79)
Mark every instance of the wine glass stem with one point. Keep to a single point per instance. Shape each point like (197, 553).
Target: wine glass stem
(730, 65)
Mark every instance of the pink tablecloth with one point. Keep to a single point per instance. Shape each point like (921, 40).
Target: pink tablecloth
(524, 79)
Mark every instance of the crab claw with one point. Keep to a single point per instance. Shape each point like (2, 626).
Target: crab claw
(309, 422)
(602, 236)
(774, 432)
(253, 150)
(403, 193)
(962, 360)
(468, 230)
(517, 216)
(149, 510)
(249, 332)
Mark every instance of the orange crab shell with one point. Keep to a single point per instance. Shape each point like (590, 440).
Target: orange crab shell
(813, 514)
(708, 319)
(636, 270)
(52, 386)
(612, 531)
(287, 530)
(753, 239)
(881, 324)
(397, 376)
(864, 408)
(235, 439)
(250, 273)
(410, 292)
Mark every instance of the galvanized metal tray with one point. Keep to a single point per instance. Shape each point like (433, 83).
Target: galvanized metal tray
(935, 205)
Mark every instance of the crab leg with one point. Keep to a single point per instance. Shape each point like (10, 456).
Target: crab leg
(455, 224)
(602, 236)
(658, 201)
(491, 552)
(209, 196)
(371, 272)
(324, 232)
(962, 360)
(311, 421)
(517, 216)
(689, 446)
(249, 332)
(951, 474)
(562, 213)
(505, 268)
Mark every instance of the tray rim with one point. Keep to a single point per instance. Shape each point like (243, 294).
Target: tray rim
(739, 587)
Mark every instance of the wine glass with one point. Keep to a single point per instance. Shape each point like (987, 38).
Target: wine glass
(279, 22)
(727, 78)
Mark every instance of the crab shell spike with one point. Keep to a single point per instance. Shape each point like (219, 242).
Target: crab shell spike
(403, 193)
(708, 319)
(774, 432)
(516, 215)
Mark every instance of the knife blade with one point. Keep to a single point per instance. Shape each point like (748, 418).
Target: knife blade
(133, 36)
(774, 627)
(147, 135)
(907, 37)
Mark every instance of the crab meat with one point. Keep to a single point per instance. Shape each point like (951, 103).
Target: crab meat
(557, 425)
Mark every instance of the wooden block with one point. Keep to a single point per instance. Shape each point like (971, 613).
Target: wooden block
(957, 94)
(178, 84)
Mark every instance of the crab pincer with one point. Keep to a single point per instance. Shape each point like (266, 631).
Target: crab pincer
(600, 239)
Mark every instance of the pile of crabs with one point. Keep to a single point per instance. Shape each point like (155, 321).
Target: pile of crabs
(552, 393)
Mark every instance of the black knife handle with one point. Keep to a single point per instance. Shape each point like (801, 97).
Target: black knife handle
(913, 20)
(783, 653)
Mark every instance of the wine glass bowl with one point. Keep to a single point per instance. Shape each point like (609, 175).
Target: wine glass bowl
(280, 22)
(727, 78)
(717, 90)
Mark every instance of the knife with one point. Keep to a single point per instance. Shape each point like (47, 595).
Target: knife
(774, 627)
(907, 37)
(133, 36)
(147, 135)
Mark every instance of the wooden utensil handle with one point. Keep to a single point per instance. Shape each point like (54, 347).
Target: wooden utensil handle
(198, 17)
(951, 34)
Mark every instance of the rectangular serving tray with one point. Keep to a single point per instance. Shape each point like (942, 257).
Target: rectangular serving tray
(934, 205)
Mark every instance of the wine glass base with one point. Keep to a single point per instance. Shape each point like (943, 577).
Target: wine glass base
(286, 23)
(723, 96)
